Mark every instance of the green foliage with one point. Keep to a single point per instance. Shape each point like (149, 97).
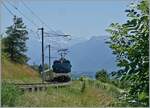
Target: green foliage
(102, 75)
(123, 84)
(9, 94)
(119, 83)
(14, 42)
(83, 80)
(83, 86)
(130, 44)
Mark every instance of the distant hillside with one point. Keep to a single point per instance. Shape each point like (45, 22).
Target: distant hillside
(86, 57)
(12, 72)
(92, 55)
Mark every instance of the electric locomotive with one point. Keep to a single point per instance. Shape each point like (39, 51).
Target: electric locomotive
(61, 69)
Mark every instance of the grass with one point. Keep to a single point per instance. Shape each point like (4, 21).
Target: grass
(95, 93)
(70, 96)
(18, 73)
(9, 94)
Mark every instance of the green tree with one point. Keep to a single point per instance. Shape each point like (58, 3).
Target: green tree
(15, 41)
(102, 75)
(130, 44)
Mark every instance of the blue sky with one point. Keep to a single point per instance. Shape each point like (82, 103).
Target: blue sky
(82, 19)
(79, 18)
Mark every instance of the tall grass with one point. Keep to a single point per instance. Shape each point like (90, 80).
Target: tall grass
(9, 94)
(70, 96)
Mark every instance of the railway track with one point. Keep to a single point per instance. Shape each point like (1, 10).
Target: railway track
(34, 87)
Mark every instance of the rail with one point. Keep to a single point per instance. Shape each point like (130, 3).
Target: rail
(40, 86)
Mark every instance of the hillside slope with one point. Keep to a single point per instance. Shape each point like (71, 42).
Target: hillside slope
(12, 72)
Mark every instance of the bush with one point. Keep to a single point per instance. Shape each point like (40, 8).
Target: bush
(119, 83)
(83, 79)
(102, 75)
(9, 94)
(83, 86)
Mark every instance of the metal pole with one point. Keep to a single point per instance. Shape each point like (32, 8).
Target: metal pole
(42, 30)
(49, 46)
(42, 54)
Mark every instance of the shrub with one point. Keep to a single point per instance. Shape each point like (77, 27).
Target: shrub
(102, 75)
(83, 86)
(83, 79)
(9, 94)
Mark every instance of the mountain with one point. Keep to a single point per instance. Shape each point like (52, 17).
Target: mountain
(86, 57)
(91, 56)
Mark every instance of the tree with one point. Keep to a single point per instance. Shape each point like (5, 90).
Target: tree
(15, 41)
(130, 44)
(102, 75)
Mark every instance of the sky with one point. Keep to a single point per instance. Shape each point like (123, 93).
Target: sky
(81, 19)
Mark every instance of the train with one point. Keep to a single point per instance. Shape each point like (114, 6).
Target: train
(60, 72)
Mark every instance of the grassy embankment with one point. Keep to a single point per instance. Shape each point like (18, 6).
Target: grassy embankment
(17, 73)
(95, 93)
